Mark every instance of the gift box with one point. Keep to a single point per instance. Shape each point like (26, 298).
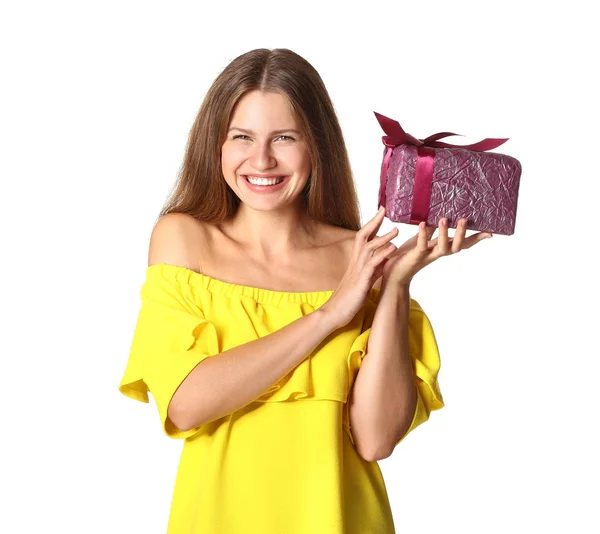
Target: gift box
(425, 180)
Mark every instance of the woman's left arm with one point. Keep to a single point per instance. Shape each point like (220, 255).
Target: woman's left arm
(383, 400)
(384, 396)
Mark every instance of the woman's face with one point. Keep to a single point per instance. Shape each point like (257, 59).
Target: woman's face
(264, 139)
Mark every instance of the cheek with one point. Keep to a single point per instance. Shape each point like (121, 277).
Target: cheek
(299, 157)
(302, 160)
(230, 154)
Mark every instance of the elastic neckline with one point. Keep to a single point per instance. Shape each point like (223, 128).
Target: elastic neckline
(195, 278)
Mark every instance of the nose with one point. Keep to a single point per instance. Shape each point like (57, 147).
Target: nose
(261, 157)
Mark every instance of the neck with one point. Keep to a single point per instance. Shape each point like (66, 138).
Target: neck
(271, 235)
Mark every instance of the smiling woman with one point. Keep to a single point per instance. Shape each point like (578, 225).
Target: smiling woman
(248, 353)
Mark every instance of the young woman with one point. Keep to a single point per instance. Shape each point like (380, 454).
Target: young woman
(276, 335)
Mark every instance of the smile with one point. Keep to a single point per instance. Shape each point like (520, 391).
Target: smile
(266, 185)
(265, 181)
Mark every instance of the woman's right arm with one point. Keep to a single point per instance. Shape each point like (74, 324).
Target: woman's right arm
(236, 377)
(230, 380)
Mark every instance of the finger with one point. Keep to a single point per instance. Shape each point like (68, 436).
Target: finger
(442, 239)
(474, 239)
(430, 231)
(411, 242)
(382, 240)
(422, 238)
(381, 254)
(459, 235)
(372, 227)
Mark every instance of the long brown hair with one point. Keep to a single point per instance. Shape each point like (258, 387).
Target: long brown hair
(201, 190)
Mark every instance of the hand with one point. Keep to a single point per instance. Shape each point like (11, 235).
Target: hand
(366, 264)
(420, 250)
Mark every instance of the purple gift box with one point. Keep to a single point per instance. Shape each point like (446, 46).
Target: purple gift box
(425, 180)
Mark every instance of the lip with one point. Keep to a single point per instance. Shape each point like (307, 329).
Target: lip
(262, 188)
(263, 175)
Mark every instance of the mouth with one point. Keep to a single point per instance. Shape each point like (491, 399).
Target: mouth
(265, 182)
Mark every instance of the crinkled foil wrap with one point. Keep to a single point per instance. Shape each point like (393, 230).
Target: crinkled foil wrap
(480, 186)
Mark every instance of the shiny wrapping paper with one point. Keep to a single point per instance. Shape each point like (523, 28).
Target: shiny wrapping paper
(425, 180)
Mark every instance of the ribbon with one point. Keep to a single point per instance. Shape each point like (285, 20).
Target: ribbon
(425, 156)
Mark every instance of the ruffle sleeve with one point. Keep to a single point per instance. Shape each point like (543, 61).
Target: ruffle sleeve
(171, 337)
(425, 357)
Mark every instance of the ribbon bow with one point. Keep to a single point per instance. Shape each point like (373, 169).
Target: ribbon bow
(425, 155)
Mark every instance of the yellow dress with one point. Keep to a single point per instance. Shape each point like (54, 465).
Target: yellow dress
(286, 463)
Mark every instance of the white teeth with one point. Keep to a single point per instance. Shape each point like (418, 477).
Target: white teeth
(264, 181)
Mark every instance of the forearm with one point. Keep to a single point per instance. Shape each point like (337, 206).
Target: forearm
(384, 394)
(228, 381)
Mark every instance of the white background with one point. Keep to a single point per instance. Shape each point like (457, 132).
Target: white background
(96, 105)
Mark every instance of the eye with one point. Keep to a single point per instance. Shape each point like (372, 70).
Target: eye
(241, 135)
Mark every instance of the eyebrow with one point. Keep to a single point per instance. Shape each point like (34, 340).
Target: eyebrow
(272, 133)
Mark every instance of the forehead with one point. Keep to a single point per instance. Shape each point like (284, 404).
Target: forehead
(258, 111)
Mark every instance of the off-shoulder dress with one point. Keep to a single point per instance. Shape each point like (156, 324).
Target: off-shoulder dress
(285, 463)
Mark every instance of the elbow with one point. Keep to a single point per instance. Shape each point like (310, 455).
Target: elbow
(382, 448)
(367, 446)
(371, 453)
(181, 417)
(175, 416)
(376, 454)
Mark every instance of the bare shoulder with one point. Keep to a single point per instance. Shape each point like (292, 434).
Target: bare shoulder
(176, 239)
(339, 234)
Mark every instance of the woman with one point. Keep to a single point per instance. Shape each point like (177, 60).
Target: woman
(263, 299)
